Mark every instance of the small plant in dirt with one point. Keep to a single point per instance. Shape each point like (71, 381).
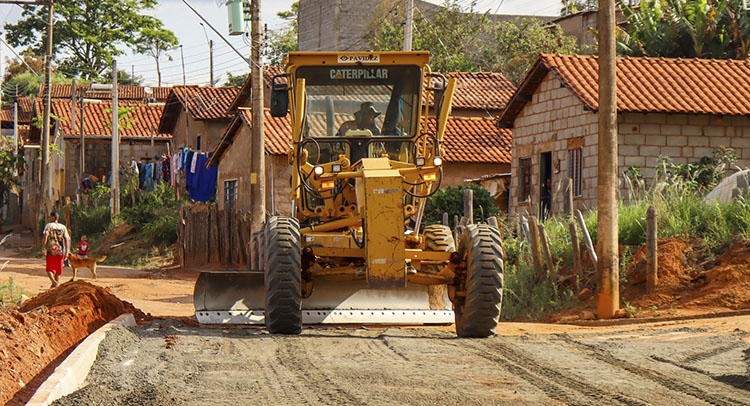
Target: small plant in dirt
(10, 293)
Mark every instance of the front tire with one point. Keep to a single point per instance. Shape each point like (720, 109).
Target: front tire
(478, 313)
(283, 277)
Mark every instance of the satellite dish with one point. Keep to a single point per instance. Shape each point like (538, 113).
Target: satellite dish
(148, 90)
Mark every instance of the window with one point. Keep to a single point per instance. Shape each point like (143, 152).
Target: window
(575, 168)
(524, 179)
(230, 194)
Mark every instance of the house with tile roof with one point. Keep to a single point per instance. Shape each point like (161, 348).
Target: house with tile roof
(91, 127)
(681, 108)
(196, 117)
(233, 155)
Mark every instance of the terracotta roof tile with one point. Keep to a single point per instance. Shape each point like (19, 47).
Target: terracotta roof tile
(144, 119)
(481, 90)
(124, 92)
(694, 86)
(25, 111)
(205, 103)
(467, 140)
(475, 140)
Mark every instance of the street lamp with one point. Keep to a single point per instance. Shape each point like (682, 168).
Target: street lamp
(210, 56)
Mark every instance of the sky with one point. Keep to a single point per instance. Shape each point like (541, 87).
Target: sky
(194, 37)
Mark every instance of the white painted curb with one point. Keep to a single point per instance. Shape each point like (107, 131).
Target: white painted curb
(70, 375)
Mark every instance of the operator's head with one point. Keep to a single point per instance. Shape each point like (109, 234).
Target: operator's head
(53, 216)
(367, 112)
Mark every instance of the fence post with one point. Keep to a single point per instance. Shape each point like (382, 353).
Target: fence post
(575, 247)
(546, 251)
(535, 254)
(587, 237)
(469, 205)
(652, 261)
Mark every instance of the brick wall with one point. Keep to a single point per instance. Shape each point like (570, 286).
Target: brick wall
(556, 121)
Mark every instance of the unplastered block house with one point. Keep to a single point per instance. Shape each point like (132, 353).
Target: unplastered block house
(681, 108)
(197, 116)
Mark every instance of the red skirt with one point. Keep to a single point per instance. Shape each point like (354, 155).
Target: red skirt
(55, 263)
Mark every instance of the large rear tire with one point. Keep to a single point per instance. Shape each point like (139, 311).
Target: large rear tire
(478, 313)
(283, 277)
(438, 238)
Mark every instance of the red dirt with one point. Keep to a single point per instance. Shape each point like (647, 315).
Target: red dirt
(46, 328)
(684, 287)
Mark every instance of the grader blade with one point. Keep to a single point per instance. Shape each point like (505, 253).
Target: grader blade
(238, 297)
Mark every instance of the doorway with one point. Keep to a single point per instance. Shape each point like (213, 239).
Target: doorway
(545, 182)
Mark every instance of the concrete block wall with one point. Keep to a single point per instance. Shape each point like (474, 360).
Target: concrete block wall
(682, 137)
(555, 120)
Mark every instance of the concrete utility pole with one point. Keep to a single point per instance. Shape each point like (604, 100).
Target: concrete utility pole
(115, 176)
(257, 166)
(608, 274)
(408, 24)
(46, 175)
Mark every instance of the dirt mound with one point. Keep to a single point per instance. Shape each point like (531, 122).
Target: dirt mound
(684, 288)
(40, 334)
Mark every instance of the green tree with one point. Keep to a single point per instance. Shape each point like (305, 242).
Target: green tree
(461, 40)
(456, 39)
(155, 41)
(283, 41)
(576, 6)
(235, 80)
(11, 163)
(686, 28)
(517, 45)
(451, 200)
(88, 34)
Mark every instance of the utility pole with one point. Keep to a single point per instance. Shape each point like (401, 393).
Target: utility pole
(258, 150)
(210, 56)
(115, 176)
(408, 24)
(46, 175)
(608, 274)
(211, 62)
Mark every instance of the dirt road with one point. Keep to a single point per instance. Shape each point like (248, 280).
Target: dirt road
(167, 363)
(690, 362)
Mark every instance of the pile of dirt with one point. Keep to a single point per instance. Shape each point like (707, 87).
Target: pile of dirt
(36, 337)
(687, 284)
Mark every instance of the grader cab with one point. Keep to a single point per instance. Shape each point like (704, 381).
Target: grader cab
(365, 156)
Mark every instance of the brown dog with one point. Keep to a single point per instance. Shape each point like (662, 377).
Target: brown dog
(77, 262)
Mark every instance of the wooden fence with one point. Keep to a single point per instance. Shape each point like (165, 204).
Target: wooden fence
(209, 236)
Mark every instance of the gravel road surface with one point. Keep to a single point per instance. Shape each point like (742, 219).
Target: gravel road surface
(168, 363)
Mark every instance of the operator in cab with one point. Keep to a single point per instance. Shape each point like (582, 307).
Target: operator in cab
(364, 119)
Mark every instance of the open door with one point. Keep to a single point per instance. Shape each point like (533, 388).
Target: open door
(545, 185)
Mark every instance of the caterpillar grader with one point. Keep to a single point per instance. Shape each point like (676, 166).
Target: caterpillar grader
(355, 248)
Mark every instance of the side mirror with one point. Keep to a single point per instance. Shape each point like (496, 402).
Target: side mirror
(279, 98)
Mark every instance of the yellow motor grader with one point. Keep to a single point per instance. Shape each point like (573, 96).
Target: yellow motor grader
(355, 249)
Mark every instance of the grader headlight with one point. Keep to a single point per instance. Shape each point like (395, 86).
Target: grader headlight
(437, 161)
(318, 170)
